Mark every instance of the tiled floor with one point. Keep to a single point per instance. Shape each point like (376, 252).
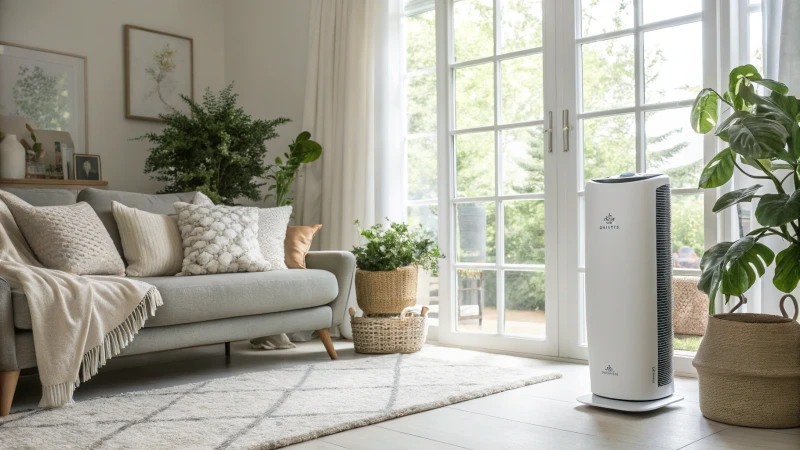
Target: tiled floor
(541, 416)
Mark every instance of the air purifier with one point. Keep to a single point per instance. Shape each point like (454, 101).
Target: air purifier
(629, 292)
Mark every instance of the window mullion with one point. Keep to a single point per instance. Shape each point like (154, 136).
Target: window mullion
(638, 64)
(498, 104)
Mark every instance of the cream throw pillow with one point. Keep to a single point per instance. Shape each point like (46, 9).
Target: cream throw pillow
(68, 238)
(272, 223)
(151, 242)
(219, 239)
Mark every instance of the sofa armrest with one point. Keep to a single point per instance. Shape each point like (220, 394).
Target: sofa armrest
(343, 266)
(8, 343)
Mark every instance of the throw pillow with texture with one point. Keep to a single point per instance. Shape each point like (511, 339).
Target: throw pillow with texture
(69, 238)
(297, 244)
(151, 242)
(272, 224)
(219, 239)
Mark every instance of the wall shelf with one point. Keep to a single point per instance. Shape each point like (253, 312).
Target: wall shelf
(51, 184)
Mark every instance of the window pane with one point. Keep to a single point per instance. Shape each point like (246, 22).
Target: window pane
(609, 146)
(420, 41)
(687, 230)
(525, 303)
(421, 168)
(522, 87)
(421, 104)
(425, 215)
(523, 160)
(608, 74)
(672, 147)
(605, 16)
(582, 308)
(475, 164)
(474, 96)
(475, 231)
(521, 24)
(477, 301)
(473, 28)
(658, 10)
(673, 58)
(524, 231)
(755, 46)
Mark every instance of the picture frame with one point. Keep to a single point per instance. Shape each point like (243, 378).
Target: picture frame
(26, 72)
(159, 67)
(86, 167)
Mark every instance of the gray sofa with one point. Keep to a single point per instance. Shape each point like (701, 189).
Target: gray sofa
(197, 310)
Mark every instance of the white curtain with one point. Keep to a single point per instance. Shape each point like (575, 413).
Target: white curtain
(781, 62)
(353, 107)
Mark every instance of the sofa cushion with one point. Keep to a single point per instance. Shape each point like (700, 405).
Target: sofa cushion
(45, 197)
(209, 297)
(100, 200)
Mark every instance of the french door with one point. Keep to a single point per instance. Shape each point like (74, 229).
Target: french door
(536, 97)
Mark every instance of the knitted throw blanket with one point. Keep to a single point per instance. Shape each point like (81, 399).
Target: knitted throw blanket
(79, 322)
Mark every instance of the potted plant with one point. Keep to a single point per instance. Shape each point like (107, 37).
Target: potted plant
(387, 265)
(301, 151)
(749, 364)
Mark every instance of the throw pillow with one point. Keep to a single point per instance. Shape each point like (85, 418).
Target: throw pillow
(219, 239)
(151, 242)
(298, 242)
(69, 238)
(272, 224)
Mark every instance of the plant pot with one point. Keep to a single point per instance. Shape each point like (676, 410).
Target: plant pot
(12, 158)
(748, 366)
(386, 292)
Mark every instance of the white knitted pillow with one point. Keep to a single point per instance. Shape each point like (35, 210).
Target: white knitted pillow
(219, 239)
(151, 242)
(272, 223)
(68, 238)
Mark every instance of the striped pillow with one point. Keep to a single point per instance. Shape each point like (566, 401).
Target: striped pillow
(151, 242)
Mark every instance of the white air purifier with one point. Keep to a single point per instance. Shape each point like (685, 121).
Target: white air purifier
(629, 292)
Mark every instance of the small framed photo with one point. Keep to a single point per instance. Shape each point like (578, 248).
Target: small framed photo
(86, 167)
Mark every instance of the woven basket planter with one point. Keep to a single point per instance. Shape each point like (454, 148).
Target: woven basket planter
(749, 370)
(690, 315)
(405, 333)
(388, 292)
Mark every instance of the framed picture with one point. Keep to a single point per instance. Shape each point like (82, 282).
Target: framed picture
(87, 167)
(45, 89)
(158, 69)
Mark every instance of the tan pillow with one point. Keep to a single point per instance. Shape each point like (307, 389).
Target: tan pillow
(151, 242)
(69, 238)
(297, 243)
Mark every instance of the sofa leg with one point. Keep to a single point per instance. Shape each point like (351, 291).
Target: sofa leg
(8, 384)
(325, 337)
(227, 349)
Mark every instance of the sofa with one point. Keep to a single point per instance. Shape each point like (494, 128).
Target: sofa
(197, 310)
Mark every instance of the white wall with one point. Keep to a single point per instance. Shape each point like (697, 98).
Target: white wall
(94, 28)
(266, 52)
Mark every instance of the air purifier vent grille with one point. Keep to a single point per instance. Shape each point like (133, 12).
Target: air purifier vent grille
(664, 284)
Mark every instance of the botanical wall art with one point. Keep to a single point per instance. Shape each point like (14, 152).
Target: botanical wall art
(158, 70)
(47, 88)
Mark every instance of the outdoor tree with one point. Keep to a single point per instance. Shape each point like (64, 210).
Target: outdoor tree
(42, 98)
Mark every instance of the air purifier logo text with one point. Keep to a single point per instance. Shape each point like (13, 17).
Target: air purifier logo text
(609, 220)
(609, 371)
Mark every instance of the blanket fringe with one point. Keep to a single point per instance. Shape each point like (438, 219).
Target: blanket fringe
(114, 342)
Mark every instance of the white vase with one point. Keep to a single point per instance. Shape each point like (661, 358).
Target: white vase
(12, 158)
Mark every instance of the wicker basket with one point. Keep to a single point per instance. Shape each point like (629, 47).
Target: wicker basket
(399, 334)
(388, 292)
(749, 370)
(690, 315)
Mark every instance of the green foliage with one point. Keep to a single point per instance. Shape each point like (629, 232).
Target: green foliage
(395, 246)
(218, 150)
(37, 146)
(42, 98)
(763, 133)
(301, 151)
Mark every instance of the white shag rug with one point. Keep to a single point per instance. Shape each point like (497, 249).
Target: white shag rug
(268, 409)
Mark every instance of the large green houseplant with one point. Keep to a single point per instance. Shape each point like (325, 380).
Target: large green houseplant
(217, 149)
(763, 139)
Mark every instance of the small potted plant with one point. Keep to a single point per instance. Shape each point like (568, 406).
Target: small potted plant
(387, 265)
(749, 364)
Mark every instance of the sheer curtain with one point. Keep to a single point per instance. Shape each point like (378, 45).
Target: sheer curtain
(353, 107)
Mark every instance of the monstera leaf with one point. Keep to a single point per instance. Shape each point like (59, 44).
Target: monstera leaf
(719, 170)
(787, 269)
(734, 197)
(759, 137)
(731, 268)
(775, 210)
(704, 111)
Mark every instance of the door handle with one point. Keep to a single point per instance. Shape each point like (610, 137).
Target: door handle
(549, 132)
(567, 128)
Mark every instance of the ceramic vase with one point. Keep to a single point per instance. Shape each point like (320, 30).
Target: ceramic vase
(12, 158)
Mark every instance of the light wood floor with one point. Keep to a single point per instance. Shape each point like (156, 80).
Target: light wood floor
(542, 416)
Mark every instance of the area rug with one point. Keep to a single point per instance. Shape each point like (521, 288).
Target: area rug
(267, 409)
